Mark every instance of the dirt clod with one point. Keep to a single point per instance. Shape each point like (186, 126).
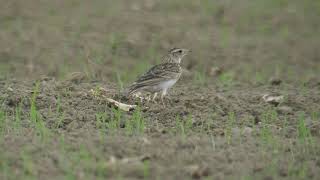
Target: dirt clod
(198, 171)
(275, 81)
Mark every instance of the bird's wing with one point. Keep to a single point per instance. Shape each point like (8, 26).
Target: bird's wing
(156, 75)
(161, 71)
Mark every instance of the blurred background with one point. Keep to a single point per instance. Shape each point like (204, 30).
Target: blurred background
(239, 41)
(217, 124)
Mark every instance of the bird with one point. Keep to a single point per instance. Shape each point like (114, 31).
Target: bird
(161, 77)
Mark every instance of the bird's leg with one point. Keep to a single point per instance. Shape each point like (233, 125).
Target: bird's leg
(154, 97)
(148, 98)
(164, 105)
(164, 92)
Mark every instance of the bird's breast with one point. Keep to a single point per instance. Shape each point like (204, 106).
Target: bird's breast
(167, 84)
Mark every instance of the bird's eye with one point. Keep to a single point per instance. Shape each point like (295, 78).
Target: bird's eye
(180, 51)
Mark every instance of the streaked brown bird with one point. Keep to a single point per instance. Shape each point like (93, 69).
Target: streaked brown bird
(160, 78)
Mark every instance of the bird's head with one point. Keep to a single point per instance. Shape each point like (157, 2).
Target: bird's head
(175, 55)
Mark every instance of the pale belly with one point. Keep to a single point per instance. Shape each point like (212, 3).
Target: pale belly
(165, 85)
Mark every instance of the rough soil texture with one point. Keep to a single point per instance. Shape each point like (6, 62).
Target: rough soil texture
(55, 121)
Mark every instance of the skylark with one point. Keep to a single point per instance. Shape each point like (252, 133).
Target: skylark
(160, 78)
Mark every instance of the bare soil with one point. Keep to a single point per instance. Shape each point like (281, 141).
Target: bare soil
(215, 125)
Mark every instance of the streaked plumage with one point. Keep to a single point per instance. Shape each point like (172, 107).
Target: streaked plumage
(160, 77)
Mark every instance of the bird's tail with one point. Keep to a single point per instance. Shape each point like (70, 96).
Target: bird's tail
(129, 90)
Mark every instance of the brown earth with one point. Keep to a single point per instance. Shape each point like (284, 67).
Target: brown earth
(216, 124)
